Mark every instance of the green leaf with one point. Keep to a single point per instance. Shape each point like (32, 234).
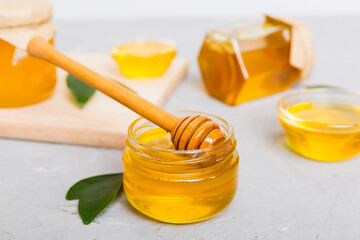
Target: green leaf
(95, 194)
(80, 90)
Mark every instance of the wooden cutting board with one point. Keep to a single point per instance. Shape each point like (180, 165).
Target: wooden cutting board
(103, 122)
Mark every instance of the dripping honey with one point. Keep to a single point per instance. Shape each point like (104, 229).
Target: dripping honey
(324, 131)
(175, 187)
(243, 63)
(30, 81)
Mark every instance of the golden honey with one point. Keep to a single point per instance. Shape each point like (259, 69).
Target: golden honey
(177, 186)
(24, 80)
(145, 59)
(324, 129)
(244, 62)
(30, 81)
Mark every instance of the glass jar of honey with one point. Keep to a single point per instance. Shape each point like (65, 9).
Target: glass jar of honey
(178, 186)
(28, 80)
(246, 61)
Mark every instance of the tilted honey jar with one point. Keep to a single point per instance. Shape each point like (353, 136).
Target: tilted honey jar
(24, 80)
(246, 61)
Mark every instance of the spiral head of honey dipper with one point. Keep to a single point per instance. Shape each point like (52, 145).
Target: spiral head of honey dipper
(196, 132)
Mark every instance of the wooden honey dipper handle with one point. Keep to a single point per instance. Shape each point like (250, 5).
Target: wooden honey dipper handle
(186, 133)
(39, 48)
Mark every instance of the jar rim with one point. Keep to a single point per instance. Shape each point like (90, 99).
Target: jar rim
(285, 113)
(229, 135)
(142, 40)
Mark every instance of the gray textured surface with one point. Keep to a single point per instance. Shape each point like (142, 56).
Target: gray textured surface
(280, 195)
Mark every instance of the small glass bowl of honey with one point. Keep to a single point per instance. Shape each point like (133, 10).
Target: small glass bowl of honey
(322, 123)
(144, 58)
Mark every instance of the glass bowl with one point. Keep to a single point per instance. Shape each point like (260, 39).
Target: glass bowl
(144, 58)
(322, 123)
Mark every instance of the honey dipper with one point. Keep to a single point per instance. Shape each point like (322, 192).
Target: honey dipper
(188, 133)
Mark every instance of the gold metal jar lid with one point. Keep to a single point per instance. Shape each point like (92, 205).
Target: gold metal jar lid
(18, 13)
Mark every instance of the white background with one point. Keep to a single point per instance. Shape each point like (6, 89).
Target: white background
(280, 194)
(112, 9)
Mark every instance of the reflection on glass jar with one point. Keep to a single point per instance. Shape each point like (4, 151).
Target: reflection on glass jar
(178, 186)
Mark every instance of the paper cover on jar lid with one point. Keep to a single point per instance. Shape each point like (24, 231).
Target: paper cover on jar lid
(302, 51)
(20, 37)
(15, 13)
(21, 20)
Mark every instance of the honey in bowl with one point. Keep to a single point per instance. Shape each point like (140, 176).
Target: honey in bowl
(322, 124)
(178, 186)
(144, 59)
